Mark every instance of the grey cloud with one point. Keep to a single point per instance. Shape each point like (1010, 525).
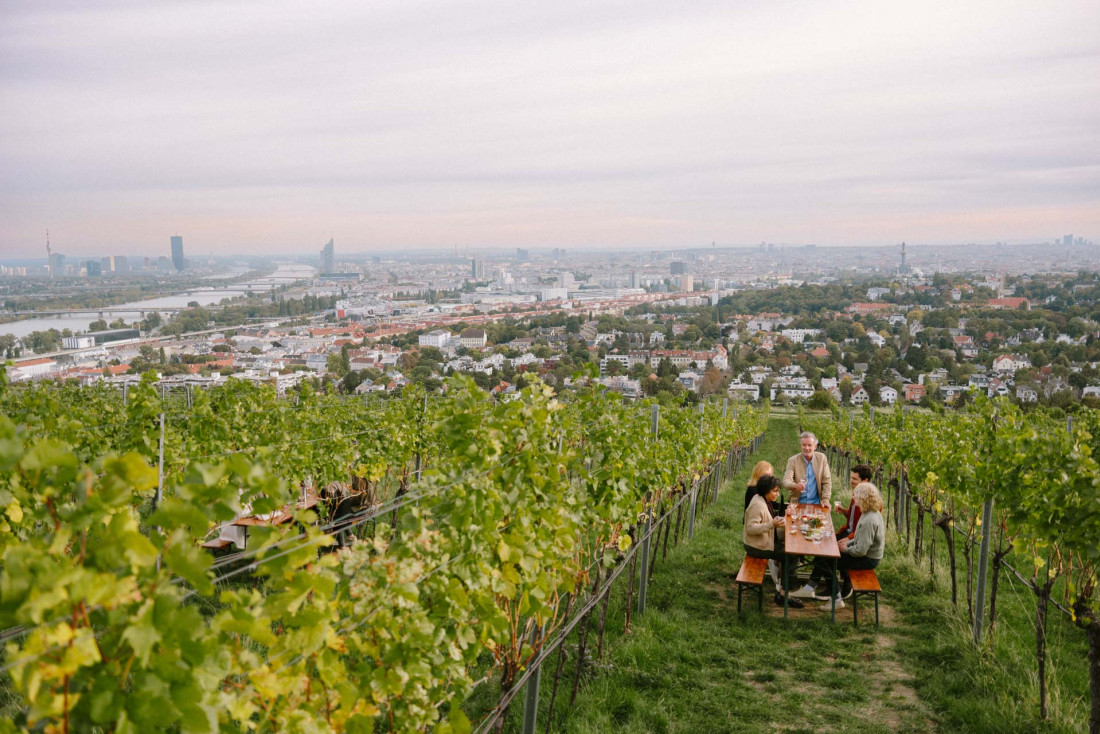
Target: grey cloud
(698, 115)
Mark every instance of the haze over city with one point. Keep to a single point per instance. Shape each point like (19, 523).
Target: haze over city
(255, 128)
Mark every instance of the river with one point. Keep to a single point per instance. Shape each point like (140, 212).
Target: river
(284, 274)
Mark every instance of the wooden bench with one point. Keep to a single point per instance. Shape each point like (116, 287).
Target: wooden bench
(217, 544)
(864, 583)
(752, 573)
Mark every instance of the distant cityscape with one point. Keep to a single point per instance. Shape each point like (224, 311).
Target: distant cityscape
(946, 258)
(842, 325)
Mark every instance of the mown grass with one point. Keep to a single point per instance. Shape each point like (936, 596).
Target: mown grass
(692, 664)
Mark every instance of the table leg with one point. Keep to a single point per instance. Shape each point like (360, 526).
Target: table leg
(832, 595)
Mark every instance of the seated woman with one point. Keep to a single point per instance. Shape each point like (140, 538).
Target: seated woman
(759, 535)
(762, 469)
(865, 550)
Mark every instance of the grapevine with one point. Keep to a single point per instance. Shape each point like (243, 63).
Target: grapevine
(501, 514)
(1042, 476)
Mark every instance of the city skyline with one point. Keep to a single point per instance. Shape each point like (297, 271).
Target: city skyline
(620, 126)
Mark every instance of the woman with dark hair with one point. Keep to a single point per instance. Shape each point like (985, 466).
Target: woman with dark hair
(759, 536)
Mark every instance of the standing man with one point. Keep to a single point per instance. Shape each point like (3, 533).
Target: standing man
(807, 476)
(811, 483)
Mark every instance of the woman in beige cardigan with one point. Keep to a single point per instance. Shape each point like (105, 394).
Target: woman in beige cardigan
(759, 535)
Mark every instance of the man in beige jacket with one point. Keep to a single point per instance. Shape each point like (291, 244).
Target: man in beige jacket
(807, 476)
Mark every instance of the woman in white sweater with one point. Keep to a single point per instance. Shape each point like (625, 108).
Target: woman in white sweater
(865, 550)
(759, 535)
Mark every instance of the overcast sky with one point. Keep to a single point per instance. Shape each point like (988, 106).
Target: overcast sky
(267, 127)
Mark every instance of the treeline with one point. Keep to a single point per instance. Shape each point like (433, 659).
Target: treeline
(82, 293)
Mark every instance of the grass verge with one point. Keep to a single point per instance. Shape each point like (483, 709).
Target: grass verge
(692, 664)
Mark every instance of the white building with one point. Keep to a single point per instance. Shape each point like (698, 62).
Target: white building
(472, 338)
(1010, 363)
(623, 359)
(743, 391)
(440, 338)
(757, 374)
(1026, 394)
(78, 342)
(690, 379)
(797, 387)
(553, 294)
(799, 335)
(620, 384)
(887, 395)
(526, 359)
(32, 369)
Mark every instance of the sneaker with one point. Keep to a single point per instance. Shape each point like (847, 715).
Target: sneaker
(839, 604)
(822, 591)
(806, 592)
(773, 569)
(791, 602)
(846, 591)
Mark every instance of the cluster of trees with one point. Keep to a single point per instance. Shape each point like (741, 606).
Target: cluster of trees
(29, 294)
(251, 309)
(797, 300)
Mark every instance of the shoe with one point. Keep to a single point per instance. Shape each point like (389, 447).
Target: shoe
(773, 569)
(806, 592)
(791, 602)
(822, 591)
(839, 604)
(846, 591)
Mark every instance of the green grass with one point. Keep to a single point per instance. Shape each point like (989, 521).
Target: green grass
(692, 664)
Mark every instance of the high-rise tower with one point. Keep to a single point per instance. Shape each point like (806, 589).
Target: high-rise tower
(903, 269)
(177, 253)
(49, 255)
(328, 257)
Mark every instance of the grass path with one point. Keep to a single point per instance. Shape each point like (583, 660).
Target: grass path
(692, 664)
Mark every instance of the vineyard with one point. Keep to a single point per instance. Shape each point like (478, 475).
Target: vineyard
(453, 543)
(997, 487)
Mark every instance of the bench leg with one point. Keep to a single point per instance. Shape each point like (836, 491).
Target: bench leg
(740, 589)
(855, 609)
(876, 610)
(760, 599)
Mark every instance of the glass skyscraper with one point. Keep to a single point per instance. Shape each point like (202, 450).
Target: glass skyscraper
(177, 252)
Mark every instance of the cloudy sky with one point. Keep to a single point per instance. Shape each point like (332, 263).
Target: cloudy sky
(259, 127)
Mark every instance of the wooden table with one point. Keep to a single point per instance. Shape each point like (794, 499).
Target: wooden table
(280, 517)
(795, 544)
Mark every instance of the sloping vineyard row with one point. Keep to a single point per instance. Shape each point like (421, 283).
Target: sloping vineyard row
(1037, 480)
(124, 622)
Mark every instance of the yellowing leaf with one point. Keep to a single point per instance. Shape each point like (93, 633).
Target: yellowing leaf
(14, 511)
